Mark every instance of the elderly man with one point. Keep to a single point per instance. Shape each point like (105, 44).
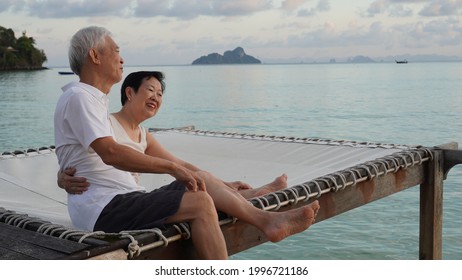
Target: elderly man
(114, 201)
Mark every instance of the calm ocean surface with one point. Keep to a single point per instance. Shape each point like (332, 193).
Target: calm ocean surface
(415, 103)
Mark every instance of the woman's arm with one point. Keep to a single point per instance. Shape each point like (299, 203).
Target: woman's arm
(125, 158)
(72, 184)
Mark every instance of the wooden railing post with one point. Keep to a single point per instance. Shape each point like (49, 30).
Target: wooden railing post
(431, 210)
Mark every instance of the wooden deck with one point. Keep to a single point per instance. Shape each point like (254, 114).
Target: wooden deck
(18, 243)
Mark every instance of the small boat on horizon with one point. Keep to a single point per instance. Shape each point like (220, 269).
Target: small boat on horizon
(401, 61)
(66, 73)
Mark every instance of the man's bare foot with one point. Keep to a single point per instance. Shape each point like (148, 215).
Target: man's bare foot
(278, 184)
(284, 224)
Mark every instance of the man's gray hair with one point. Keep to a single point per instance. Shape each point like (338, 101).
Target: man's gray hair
(81, 43)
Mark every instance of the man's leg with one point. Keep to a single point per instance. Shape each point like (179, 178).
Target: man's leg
(275, 225)
(199, 210)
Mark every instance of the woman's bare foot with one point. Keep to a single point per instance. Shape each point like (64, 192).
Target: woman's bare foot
(284, 224)
(278, 184)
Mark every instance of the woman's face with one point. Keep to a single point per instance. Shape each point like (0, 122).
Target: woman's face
(147, 101)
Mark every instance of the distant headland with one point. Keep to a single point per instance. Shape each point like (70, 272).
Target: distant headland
(20, 53)
(236, 56)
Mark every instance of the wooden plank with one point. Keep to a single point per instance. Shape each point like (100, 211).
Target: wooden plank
(114, 255)
(7, 254)
(179, 250)
(31, 245)
(431, 210)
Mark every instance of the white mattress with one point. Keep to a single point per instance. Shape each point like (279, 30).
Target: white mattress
(28, 181)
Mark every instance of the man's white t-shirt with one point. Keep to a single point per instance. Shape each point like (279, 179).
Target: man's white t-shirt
(81, 116)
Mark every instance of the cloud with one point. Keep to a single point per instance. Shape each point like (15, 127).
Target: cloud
(400, 11)
(322, 6)
(379, 37)
(65, 9)
(378, 7)
(240, 7)
(190, 28)
(188, 9)
(431, 8)
(394, 8)
(442, 8)
(182, 9)
(292, 5)
(6, 5)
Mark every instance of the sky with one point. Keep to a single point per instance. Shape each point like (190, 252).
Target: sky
(176, 32)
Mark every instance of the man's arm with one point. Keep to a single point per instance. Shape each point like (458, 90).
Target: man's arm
(155, 149)
(128, 159)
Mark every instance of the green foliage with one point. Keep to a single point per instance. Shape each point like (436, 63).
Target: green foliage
(19, 53)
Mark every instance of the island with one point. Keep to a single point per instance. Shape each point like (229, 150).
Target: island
(236, 56)
(361, 59)
(19, 53)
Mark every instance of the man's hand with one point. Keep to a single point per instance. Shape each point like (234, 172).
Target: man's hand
(72, 185)
(189, 178)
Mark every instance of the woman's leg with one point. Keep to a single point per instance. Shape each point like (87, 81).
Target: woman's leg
(275, 225)
(278, 184)
(199, 210)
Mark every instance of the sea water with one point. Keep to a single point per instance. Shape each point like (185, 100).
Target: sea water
(411, 104)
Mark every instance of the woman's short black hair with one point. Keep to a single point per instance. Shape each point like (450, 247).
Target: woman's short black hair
(135, 79)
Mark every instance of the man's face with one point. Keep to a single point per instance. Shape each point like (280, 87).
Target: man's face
(112, 61)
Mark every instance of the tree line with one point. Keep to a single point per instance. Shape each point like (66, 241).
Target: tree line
(19, 53)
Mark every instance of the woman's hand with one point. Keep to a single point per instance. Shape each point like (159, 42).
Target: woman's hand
(72, 185)
(238, 185)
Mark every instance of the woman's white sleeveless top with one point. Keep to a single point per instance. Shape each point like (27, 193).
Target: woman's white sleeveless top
(122, 137)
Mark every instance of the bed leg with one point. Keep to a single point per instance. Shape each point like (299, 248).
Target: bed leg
(431, 210)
